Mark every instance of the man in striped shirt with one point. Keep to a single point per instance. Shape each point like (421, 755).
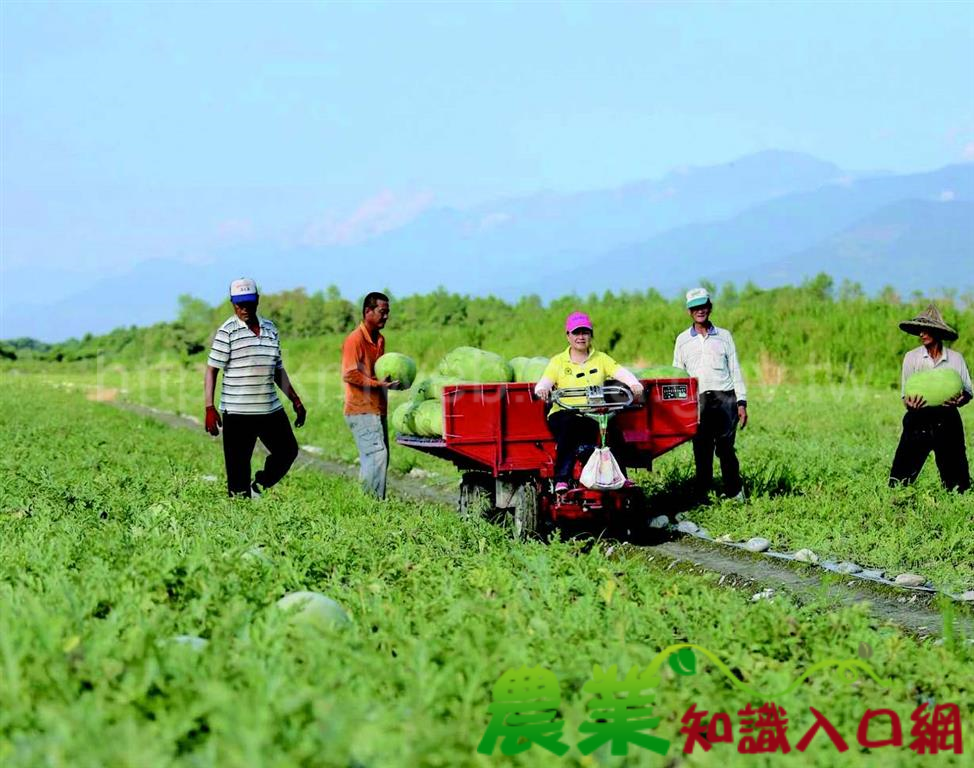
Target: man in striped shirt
(247, 349)
(709, 355)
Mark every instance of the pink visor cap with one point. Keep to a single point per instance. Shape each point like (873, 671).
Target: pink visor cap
(577, 320)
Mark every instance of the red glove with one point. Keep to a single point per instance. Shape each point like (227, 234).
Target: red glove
(213, 422)
(300, 414)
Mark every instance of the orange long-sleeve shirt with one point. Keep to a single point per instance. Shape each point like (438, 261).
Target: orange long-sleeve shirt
(363, 392)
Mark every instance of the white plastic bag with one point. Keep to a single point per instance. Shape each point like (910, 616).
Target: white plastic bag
(601, 472)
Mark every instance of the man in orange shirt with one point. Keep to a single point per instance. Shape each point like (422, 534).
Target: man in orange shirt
(366, 396)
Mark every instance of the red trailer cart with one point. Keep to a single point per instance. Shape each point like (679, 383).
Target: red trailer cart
(498, 436)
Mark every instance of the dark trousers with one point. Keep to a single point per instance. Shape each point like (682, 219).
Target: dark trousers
(240, 435)
(571, 431)
(937, 429)
(715, 434)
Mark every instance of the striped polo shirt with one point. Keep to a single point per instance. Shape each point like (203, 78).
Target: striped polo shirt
(249, 363)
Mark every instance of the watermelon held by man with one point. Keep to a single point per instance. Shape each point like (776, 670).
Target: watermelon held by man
(936, 385)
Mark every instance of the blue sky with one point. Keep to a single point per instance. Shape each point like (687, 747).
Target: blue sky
(131, 130)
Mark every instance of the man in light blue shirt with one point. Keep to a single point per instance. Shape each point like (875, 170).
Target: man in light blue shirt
(709, 355)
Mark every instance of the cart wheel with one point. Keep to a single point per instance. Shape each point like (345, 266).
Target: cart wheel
(476, 500)
(526, 511)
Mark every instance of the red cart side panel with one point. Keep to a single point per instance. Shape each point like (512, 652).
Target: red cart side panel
(501, 426)
(668, 419)
(672, 413)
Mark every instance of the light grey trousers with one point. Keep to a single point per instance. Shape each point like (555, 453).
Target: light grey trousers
(372, 440)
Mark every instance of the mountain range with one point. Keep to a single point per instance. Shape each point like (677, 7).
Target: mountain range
(772, 218)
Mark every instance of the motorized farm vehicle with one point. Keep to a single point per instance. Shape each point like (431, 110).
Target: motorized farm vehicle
(497, 435)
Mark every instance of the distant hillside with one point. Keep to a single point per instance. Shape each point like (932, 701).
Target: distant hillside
(734, 219)
(498, 247)
(794, 229)
(603, 219)
(902, 245)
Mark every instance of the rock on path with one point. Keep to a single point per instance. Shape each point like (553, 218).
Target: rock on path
(910, 580)
(806, 556)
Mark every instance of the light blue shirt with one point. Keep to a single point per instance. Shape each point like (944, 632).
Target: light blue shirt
(711, 359)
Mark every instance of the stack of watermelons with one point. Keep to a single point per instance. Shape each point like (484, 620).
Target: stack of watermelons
(422, 415)
(528, 368)
(659, 372)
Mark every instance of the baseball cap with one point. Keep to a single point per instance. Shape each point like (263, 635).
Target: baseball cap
(697, 297)
(577, 320)
(243, 290)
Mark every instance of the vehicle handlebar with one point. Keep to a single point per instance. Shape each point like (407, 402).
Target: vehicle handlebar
(597, 398)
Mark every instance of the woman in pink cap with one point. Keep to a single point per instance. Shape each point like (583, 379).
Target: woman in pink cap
(578, 366)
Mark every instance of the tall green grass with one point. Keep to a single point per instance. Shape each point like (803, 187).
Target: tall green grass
(113, 541)
(815, 459)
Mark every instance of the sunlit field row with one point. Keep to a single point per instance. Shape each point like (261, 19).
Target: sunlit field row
(116, 538)
(815, 461)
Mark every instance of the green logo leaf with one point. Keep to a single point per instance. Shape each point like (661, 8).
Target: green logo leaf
(683, 662)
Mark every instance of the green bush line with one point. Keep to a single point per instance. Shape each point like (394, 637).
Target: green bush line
(812, 333)
(112, 542)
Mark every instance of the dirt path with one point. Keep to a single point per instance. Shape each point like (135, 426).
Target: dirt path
(915, 610)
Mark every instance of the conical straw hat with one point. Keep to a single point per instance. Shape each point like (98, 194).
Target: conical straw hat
(929, 320)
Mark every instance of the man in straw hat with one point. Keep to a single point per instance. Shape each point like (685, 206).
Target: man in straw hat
(938, 429)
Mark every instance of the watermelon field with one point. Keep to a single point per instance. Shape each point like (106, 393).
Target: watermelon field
(139, 624)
